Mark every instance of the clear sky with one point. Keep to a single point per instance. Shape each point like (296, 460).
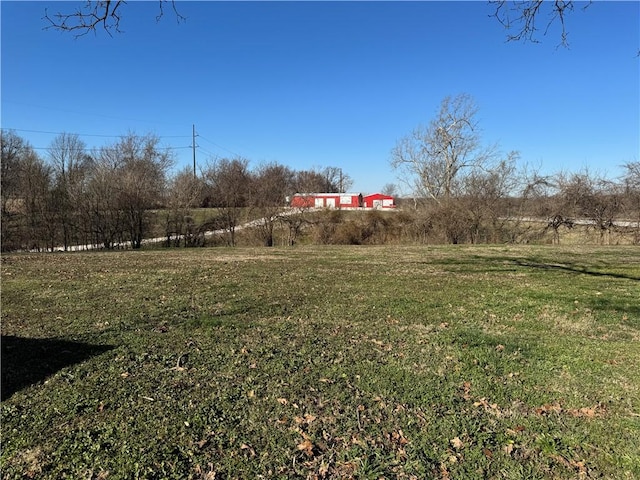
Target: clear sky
(314, 84)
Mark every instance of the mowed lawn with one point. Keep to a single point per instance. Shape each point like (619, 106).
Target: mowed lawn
(322, 362)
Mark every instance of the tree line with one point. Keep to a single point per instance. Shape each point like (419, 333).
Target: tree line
(458, 190)
(111, 196)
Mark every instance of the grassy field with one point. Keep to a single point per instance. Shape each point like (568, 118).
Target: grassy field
(322, 362)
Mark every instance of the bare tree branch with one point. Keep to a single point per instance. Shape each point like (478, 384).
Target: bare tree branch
(179, 17)
(87, 18)
(95, 14)
(521, 17)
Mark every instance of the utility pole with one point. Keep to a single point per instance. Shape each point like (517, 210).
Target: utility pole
(193, 144)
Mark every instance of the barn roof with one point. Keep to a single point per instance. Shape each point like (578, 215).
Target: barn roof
(326, 194)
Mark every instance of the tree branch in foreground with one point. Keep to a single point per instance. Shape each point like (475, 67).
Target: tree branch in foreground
(521, 16)
(95, 14)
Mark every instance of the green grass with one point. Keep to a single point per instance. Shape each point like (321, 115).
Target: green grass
(322, 362)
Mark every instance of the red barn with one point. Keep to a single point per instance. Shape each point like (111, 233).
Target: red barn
(379, 201)
(327, 200)
(347, 201)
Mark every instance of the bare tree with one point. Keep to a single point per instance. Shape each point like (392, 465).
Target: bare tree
(68, 156)
(14, 148)
(184, 194)
(69, 161)
(604, 207)
(336, 180)
(389, 189)
(296, 220)
(592, 198)
(100, 210)
(228, 181)
(631, 184)
(142, 180)
(542, 200)
(485, 193)
(105, 14)
(27, 209)
(632, 176)
(325, 180)
(35, 186)
(25, 190)
(128, 180)
(271, 184)
(432, 160)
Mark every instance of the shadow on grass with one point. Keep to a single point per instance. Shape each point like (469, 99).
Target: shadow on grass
(573, 269)
(26, 361)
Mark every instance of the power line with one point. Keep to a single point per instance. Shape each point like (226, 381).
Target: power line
(122, 135)
(207, 151)
(194, 145)
(157, 148)
(84, 134)
(91, 114)
(220, 146)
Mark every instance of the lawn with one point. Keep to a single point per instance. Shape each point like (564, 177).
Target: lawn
(322, 362)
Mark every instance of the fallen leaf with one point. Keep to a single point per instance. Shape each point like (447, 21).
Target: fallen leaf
(508, 448)
(244, 446)
(324, 469)
(103, 475)
(549, 408)
(580, 466)
(202, 443)
(457, 443)
(444, 473)
(399, 437)
(489, 407)
(306, 446)
(210, 475)
(466, 386)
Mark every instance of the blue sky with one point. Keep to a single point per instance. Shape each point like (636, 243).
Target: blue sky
(314, 84)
